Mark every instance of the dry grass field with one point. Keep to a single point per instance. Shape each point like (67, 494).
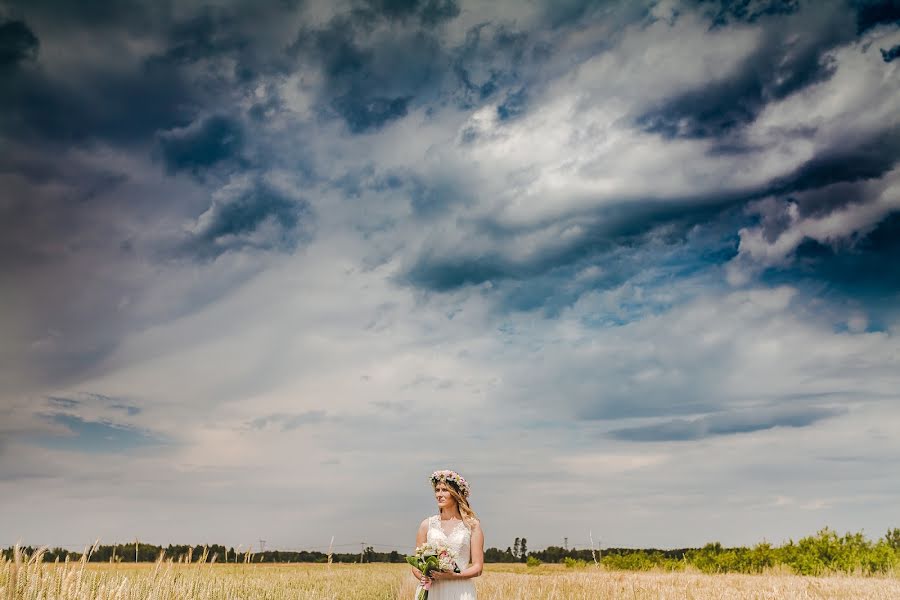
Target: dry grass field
(173, 581)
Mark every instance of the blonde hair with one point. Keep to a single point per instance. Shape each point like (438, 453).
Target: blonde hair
(462, 503)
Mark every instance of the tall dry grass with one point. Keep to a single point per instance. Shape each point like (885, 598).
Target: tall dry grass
(27, 578)
(555, 582)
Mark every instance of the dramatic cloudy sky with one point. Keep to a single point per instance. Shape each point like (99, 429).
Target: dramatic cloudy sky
(630, 267)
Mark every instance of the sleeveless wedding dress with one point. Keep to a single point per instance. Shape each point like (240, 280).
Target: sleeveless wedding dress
(458, 537)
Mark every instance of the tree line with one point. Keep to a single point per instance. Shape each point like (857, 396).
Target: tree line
(820, 554)
(824, 552)
(209, 553)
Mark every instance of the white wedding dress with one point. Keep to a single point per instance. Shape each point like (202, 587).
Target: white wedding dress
(455, 534)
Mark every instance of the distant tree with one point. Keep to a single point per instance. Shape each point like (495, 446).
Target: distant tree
(495, 555)
(892, 537)
(523, 550)
(515, 551)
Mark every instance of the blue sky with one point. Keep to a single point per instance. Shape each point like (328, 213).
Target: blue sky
(630, 267)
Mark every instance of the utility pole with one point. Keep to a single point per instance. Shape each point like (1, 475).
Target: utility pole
(362, 546)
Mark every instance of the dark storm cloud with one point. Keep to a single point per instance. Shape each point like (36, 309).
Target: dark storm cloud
(890, 54)
(202, 144)
(613, 234)
(560, 14)
(377, 74)
(871, 13)
(209, 34)
(443, 275)
(791, 56)
(104, 104)
(724, 12)
(241, 218)
(426, 12)
(369, 83)
(94, 14)
(652, 260)
(152, 80)
(861, 271)
(245, 33)
(650, 251)
(380, 61)
(95, 99)
(367, 113)
(727, 423)
(564, 12)
(488, 60)
(853, 160)
(794, 53)
(176, 68)
(619, 228)
(17, 43)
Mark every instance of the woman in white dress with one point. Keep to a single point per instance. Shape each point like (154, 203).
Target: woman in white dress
(457, 526)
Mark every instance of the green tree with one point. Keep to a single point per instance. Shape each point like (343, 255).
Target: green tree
(892, 537)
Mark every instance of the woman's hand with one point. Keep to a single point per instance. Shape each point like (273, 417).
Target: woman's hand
(436, 575)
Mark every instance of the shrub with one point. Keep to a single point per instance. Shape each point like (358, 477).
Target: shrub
(632, 561)
(574, 563)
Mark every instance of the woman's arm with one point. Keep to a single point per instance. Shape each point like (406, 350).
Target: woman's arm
(421, 536)
(474, 569)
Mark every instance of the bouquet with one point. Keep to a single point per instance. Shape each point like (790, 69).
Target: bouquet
(431, 557)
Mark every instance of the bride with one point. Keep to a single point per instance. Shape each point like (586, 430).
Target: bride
(457, 526)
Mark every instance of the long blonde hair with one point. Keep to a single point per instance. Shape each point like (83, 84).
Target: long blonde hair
(462, 503)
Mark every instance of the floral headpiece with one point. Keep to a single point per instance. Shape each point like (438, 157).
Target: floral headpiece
(452, 478)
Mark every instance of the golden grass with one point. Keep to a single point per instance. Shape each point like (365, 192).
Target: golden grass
(32, 580)
(556, 582)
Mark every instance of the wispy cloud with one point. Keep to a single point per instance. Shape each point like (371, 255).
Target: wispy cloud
(287, 422)
(727, 423)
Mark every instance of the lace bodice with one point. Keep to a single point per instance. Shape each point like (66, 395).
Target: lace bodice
(455, 534)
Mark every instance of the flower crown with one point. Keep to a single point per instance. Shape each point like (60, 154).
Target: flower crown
(452, 478)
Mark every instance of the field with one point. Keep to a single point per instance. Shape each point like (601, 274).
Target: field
(174, 581)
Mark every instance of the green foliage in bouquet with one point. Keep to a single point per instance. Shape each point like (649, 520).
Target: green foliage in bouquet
(426, 565)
